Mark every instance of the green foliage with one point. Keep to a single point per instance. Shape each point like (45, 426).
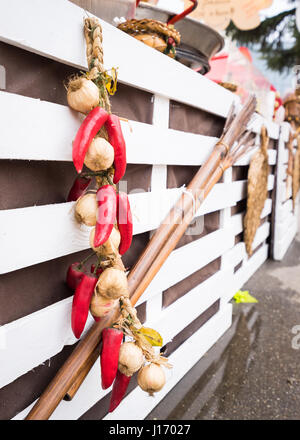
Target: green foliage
(279, 52)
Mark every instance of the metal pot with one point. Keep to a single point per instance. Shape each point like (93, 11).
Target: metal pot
(198, 41)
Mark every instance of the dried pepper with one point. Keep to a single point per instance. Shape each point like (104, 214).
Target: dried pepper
(119, 389)
(116, 139)
(124, 220)
(87, 131)
(106, 215)
(79, 186)
(111, 342)
(81, 303)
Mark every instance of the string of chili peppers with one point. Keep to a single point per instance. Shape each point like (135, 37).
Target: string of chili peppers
(100, 146)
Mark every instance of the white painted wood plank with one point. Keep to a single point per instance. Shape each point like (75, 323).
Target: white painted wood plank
(183, 359)
(31, 340)
(285, 226)
(90, 391)
(50, 231)
(257, 122)
(52, 38)
(147, 144)
(245, 160)
(188, 259)
(282, 245)
(186, 309)
(159, 176)
(248, 268)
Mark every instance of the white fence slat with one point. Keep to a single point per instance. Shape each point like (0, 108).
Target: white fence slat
(159, 176)
(31, 340)
(186, 309)
(188, 260)
(50, 231)
(146, 144)
(51, 37)
(241, 276)
(272, 127)
(285, 227)
(281, 246)
(245, 160)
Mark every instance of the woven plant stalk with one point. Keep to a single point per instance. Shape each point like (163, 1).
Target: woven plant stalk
(257, 191)
(135, 27)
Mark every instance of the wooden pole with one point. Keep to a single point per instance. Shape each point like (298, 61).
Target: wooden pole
(162, 243)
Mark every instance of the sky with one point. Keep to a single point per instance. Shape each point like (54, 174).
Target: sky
(277, 7)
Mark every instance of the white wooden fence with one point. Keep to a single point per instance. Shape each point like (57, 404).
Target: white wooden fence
(31, 340)
(286, 218)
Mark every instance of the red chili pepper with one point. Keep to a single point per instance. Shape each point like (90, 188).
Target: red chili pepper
(119, 389)
(98, 272)
(106, 216)
(124, 219)
(81, 303)
(79, 186)
(116, 139)
(111, 342)
(96, 318)
(74, 275)
(87, 131)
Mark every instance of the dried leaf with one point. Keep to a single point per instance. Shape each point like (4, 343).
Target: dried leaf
(151, 336)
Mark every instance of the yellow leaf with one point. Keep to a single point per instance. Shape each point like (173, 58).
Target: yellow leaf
(152, 336)
(111, 81)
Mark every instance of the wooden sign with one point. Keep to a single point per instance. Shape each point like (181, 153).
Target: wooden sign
(218, 13)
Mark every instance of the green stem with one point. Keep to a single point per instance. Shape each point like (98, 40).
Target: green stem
(85, 260)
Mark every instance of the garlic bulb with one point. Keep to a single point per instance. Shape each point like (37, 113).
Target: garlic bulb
(86, 209)
(100, 155)
(83, 95)
(112, 283)
(151, 378)
(110, 246)
(131, 358)
(100, 306)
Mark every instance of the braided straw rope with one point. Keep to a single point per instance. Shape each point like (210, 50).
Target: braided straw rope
(131, 328)
(257, 190)
(147, 25)
(94, 54)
